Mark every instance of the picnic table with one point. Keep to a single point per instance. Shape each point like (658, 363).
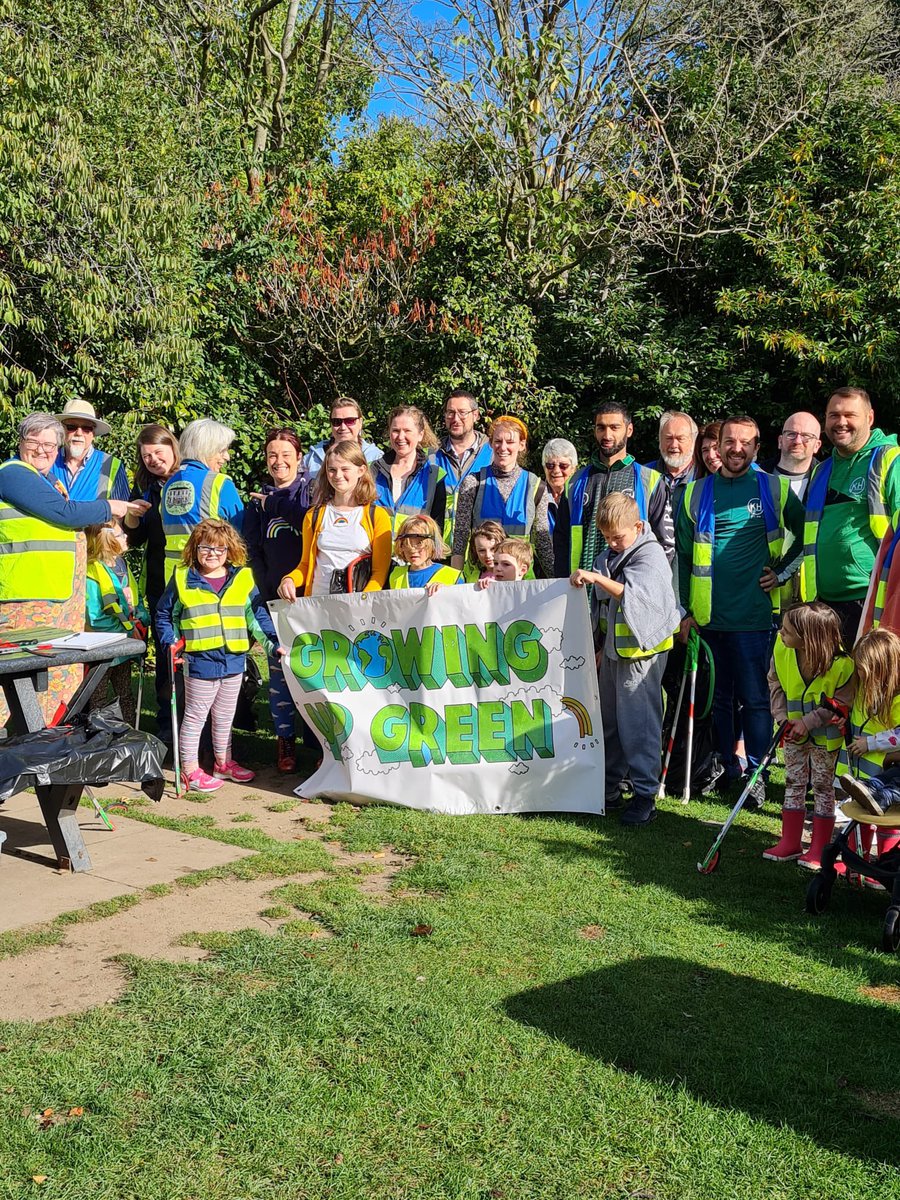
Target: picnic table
(22, 676)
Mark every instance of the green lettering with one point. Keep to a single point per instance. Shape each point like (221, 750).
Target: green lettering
(460, 733)
(306, 659)
(389, 731)
(339, 667)
(524, 651)
(416, 657)
(494, 731)
(454, 664)
(426, 736)
(333, 721)
(483, 651)
(532, 731)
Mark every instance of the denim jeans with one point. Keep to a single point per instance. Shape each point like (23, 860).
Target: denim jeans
(742, 664)
(886, 787)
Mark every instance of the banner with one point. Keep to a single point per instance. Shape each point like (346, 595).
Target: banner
(464, 702)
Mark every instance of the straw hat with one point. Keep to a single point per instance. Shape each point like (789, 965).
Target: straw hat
(83, 411)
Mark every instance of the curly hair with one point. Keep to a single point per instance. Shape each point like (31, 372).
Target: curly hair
(211, 532)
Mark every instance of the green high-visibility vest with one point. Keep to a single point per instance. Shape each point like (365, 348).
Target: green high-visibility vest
(37, 560)
(444, 575)
(107, 477)
(209, 621)
(880, 463)
(864, 766)
(627, 645)
(803, 697)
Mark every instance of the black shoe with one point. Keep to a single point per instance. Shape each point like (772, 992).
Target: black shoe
(613, 801)
(639, 811)
(756, 797)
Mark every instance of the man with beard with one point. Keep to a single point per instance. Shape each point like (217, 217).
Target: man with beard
(730, 535)
(84, 470)
(576, 539)
(677, 435)
(852, 500)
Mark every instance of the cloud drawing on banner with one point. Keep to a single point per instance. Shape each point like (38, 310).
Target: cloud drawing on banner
(370, 764)
(573, 663)
(518, 768)
(550, 697)
(551, 640)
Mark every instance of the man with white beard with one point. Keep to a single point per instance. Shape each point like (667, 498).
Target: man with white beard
(677, 435)
(84, 470)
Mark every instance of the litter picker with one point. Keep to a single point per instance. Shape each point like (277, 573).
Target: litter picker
(693, 655)
(174, 662)
(695, 644)
(709, 864)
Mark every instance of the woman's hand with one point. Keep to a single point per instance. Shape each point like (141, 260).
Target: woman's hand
(134, 509)
(259, 497)
(288, 589)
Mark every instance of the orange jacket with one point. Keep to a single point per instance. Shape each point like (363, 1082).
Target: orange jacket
(376, 522)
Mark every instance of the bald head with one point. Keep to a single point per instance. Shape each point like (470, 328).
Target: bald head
(799, 442)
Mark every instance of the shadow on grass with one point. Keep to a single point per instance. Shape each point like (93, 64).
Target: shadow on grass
(822, 1066)
(746, 894)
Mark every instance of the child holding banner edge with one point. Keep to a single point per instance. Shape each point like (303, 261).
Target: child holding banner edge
(417, 545)
(635, 617)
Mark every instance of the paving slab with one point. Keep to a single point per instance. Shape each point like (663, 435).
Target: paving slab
(127, 859)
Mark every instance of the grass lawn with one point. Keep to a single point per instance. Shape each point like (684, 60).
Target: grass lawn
(588, 1016)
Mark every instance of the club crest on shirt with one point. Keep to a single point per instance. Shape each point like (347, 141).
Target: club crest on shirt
(754, 507)
(857, 486)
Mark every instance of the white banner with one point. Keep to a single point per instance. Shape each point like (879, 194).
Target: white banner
(464, 702)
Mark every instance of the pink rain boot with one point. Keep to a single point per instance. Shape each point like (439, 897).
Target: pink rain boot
(791, 844)
(823, 828)
(887, 840)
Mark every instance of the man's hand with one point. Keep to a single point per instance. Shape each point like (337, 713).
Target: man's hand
(684, 631)
(768, 580)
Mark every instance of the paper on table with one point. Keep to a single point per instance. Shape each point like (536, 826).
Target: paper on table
(84, 641)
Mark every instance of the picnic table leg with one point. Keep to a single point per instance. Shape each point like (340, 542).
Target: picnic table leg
(59, 805)
(20, 693)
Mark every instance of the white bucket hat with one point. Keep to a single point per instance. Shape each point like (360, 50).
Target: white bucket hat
(83, 411)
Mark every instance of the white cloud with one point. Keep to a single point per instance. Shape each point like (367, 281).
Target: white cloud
(370, 764)
(573, 662)
(547, 694)
(551, 639)
(518, 768)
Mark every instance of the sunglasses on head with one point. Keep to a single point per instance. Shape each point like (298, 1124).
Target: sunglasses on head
(415, 537)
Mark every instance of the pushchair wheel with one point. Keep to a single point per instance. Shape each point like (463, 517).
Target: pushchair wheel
(818, 894)
(890, 933)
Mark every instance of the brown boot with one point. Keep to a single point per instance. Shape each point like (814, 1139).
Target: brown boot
(287, 755)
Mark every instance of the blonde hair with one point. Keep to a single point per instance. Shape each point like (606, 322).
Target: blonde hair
(212, 532)
(511, 423)
(363, 493)
(429, 437)
(518, 549)
(489, 529)
(818, 630)
(102, 543)
(424, 527)
(877, 659)
(617, 510)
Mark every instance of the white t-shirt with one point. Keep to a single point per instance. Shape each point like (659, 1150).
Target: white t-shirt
(342, 538)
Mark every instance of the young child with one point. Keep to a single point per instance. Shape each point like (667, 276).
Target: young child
(417, 544)
(875, 725)
(480, 552)
(808, 663)
(512, 561)
(635, 615)
(113, 605)
(212, 601)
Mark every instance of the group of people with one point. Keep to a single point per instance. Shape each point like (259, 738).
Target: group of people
(702, 538)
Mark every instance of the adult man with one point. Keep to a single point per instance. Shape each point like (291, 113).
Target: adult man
(576, 539)
(84, 470)
(798, 445)
(730, 537)
(463, 450)
(852, 499)
(677, 435)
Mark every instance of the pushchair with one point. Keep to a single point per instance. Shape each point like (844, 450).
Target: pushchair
(885, 869)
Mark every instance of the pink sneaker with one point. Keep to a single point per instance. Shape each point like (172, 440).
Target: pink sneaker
(199, 781)
(232, 770)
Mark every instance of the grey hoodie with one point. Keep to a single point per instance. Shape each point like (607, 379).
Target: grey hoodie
(648, 603)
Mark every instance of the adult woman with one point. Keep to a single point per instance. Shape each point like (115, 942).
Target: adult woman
(274, 546)
(198, 489)
(559, 459)
(507, 493)
(706, 450)
(346, 426)
(42, 557)
(408, 485)
(343, 526)
(158, 458)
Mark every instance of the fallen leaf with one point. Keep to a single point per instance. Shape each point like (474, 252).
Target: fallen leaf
(420, 931)
(380, 854)
(592, 932)
(39, 1179)
(339, 1158)
(76, 1112)
(150, 860)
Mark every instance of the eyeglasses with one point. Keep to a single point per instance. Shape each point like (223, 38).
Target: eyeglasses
(218, 551)
(799, 437)
(414, 537)
(337, 421)
(558, 466)
(76, 428)
(459, 413)
(43, 447)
